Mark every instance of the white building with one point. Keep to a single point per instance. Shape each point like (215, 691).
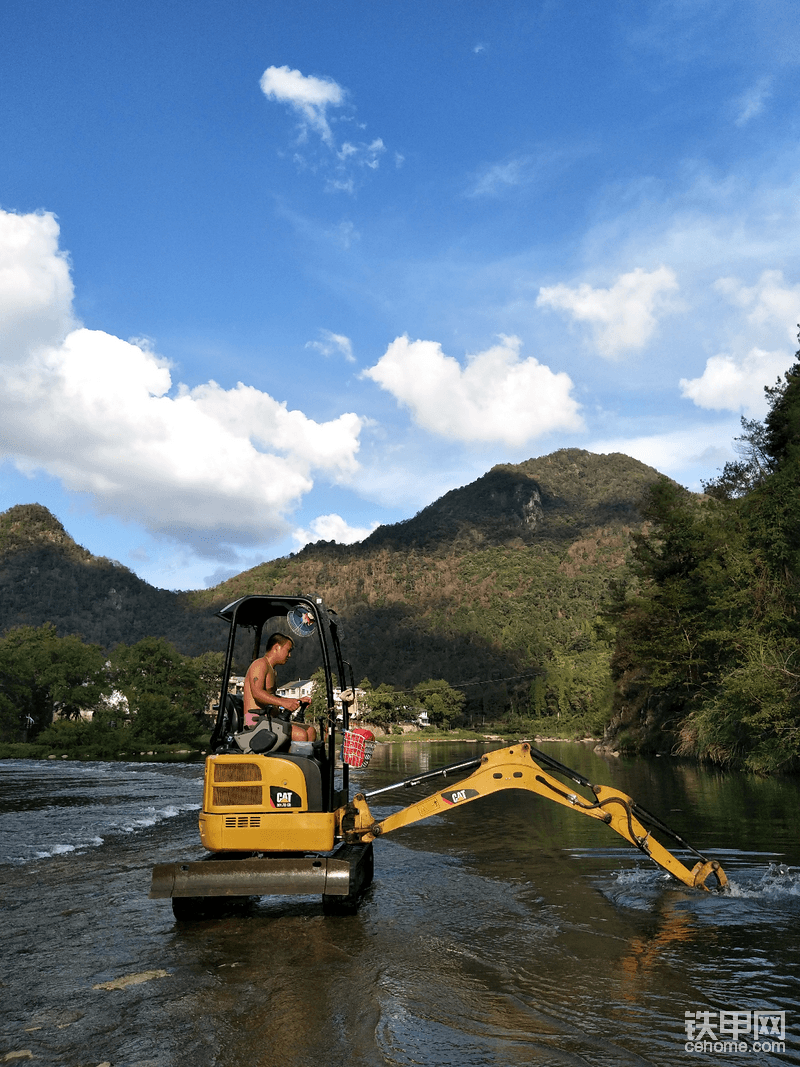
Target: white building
(301, 689)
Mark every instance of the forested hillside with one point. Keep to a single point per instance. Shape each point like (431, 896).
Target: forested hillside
(45, 577)
(707, 661)
(570, 590)
(499, 587)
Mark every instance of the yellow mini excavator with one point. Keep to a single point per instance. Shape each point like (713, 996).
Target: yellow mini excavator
(277, 816)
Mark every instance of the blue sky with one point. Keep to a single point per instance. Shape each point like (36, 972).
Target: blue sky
(276, 272)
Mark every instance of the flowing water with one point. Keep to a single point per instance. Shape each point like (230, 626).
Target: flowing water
(510, 931)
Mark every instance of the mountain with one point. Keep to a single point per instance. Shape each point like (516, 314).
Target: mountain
(499, 586)
(554, 498)
(46, 577)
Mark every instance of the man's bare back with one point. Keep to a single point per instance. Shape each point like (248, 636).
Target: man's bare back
(261, 681)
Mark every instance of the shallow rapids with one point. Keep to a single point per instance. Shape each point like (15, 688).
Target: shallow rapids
(507, 932)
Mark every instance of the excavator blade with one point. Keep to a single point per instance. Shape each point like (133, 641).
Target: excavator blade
(344, 873)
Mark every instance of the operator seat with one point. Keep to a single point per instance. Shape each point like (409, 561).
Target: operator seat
(234, 706)
(271, 733)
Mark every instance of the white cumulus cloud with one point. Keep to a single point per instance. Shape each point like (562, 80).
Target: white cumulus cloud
(729, 384)
(207, 466)
(623, 317)
(310, 97)
(735, 380)
(496, 397)
(332, 528)
(35, 283)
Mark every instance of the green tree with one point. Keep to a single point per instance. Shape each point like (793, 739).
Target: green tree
(165, 691)
(443, 703)
(318, 708)
(159, 721)
(538, 696)
(382, 704)
(739, 477)
(42, 674)
(208, 670)
(101, 738)
(706, 655)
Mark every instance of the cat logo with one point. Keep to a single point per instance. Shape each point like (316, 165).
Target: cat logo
(284, 798)
(455, 796)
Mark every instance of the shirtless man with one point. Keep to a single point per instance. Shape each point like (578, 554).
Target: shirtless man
(259, 687)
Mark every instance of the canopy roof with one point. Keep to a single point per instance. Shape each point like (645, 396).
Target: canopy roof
(254, 610)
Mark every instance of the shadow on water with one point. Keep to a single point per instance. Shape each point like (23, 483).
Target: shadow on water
(509, 932)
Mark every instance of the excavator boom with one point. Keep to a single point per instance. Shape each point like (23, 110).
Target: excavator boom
(520, 767)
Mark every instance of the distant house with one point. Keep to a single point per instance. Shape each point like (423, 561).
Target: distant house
(301, 689)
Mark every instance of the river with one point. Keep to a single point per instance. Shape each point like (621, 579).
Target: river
(508, 932)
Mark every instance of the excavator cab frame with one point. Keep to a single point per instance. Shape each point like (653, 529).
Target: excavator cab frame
(253, 612)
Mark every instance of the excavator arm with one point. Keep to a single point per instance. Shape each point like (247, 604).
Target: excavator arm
(519, 768)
